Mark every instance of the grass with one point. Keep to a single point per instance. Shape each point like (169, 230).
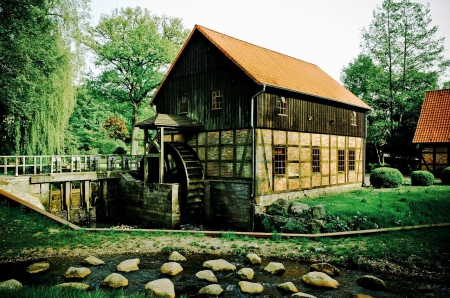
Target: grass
(46, 291)
(383, 208)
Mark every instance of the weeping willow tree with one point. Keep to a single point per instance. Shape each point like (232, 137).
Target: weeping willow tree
(38, 47)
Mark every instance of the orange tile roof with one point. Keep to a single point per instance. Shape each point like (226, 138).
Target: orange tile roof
(434, 121)
(277, 70)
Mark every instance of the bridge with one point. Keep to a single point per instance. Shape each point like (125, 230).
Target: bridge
(67, 185)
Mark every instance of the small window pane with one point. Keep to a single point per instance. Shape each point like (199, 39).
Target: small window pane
(281, 106)
(216, 100)
(316, 160)
(183, 105)
(353, 118)
(279, 160)
(351, 160)
(341, 160)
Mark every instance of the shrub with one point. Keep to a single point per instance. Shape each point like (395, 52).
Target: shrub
(422, 178)
(120, 150)
(445, 176)
(386, 177)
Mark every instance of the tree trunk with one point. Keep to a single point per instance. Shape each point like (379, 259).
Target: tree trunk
(134, 132)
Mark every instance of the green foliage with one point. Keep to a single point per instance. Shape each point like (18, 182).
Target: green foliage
(134, 49)
(120, 151)
(445, 176)
(228, 235)
(401, 58)
(386, 178)
(422, 178)
(37, 73)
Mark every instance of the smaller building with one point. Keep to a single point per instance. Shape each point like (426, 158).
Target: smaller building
(433, 131)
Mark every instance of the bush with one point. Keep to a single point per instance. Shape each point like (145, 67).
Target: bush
(120, 151)
(445, 176)
(386, 177)
(422, 178)
(373, 166)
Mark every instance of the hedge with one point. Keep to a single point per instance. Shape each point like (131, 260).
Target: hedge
(445, 176)
(386, 178)
(422, 178)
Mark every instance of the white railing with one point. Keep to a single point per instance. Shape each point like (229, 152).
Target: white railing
(45, 164)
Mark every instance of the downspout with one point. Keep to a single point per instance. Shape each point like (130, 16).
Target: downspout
(365, 153)
(252, 123)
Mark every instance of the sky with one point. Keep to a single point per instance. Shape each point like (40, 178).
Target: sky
(323, 32)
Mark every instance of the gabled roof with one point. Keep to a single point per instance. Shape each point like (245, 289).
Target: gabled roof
(277, 70)
(434, 121)
(179, 122)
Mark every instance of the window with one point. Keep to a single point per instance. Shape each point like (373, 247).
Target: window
(281, 106)
(341, 160)
(316, 160)
(183, 105)
(351, 160)
(279, 154)
(216, 100)
(353, 118)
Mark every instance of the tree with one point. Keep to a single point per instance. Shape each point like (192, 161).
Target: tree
(36, 75)
(116, 127)
(134, 48)
(401, 58)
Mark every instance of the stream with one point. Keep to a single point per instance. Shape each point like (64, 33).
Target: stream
(186, 283)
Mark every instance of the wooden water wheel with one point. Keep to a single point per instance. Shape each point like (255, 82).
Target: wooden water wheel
(182, 166)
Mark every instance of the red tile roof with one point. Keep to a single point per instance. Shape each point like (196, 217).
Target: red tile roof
(277, 70)
(434, 121)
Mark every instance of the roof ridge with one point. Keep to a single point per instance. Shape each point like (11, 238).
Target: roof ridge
(243, 41)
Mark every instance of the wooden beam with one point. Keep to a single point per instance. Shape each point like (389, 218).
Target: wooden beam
(76, 176)
(161, 156)
(86, 196)
(67, 188)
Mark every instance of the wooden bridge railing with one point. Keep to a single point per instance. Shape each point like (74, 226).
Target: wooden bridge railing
(44, 164)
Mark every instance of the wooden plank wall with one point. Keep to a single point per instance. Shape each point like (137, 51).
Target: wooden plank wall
(306, 115)
(201, 69)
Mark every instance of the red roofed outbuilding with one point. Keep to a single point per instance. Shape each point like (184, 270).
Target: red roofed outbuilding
(433, 131)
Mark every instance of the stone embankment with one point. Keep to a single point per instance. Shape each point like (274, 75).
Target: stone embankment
(321, 275)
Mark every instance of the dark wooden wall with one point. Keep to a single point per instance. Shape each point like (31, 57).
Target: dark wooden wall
(201, 69)
(307, 114)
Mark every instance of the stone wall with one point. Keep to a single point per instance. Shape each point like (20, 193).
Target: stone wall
(151, 204)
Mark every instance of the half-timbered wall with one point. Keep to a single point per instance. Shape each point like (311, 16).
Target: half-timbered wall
(298, 174)
(225, 154)
(435, 158)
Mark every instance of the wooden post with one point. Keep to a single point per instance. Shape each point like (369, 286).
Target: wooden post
(17, 166)
(146, 137)
(104, 184)
(86, 196)
(67, 188)
(161, 156)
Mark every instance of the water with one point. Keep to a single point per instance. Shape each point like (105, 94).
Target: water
(186, 283)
